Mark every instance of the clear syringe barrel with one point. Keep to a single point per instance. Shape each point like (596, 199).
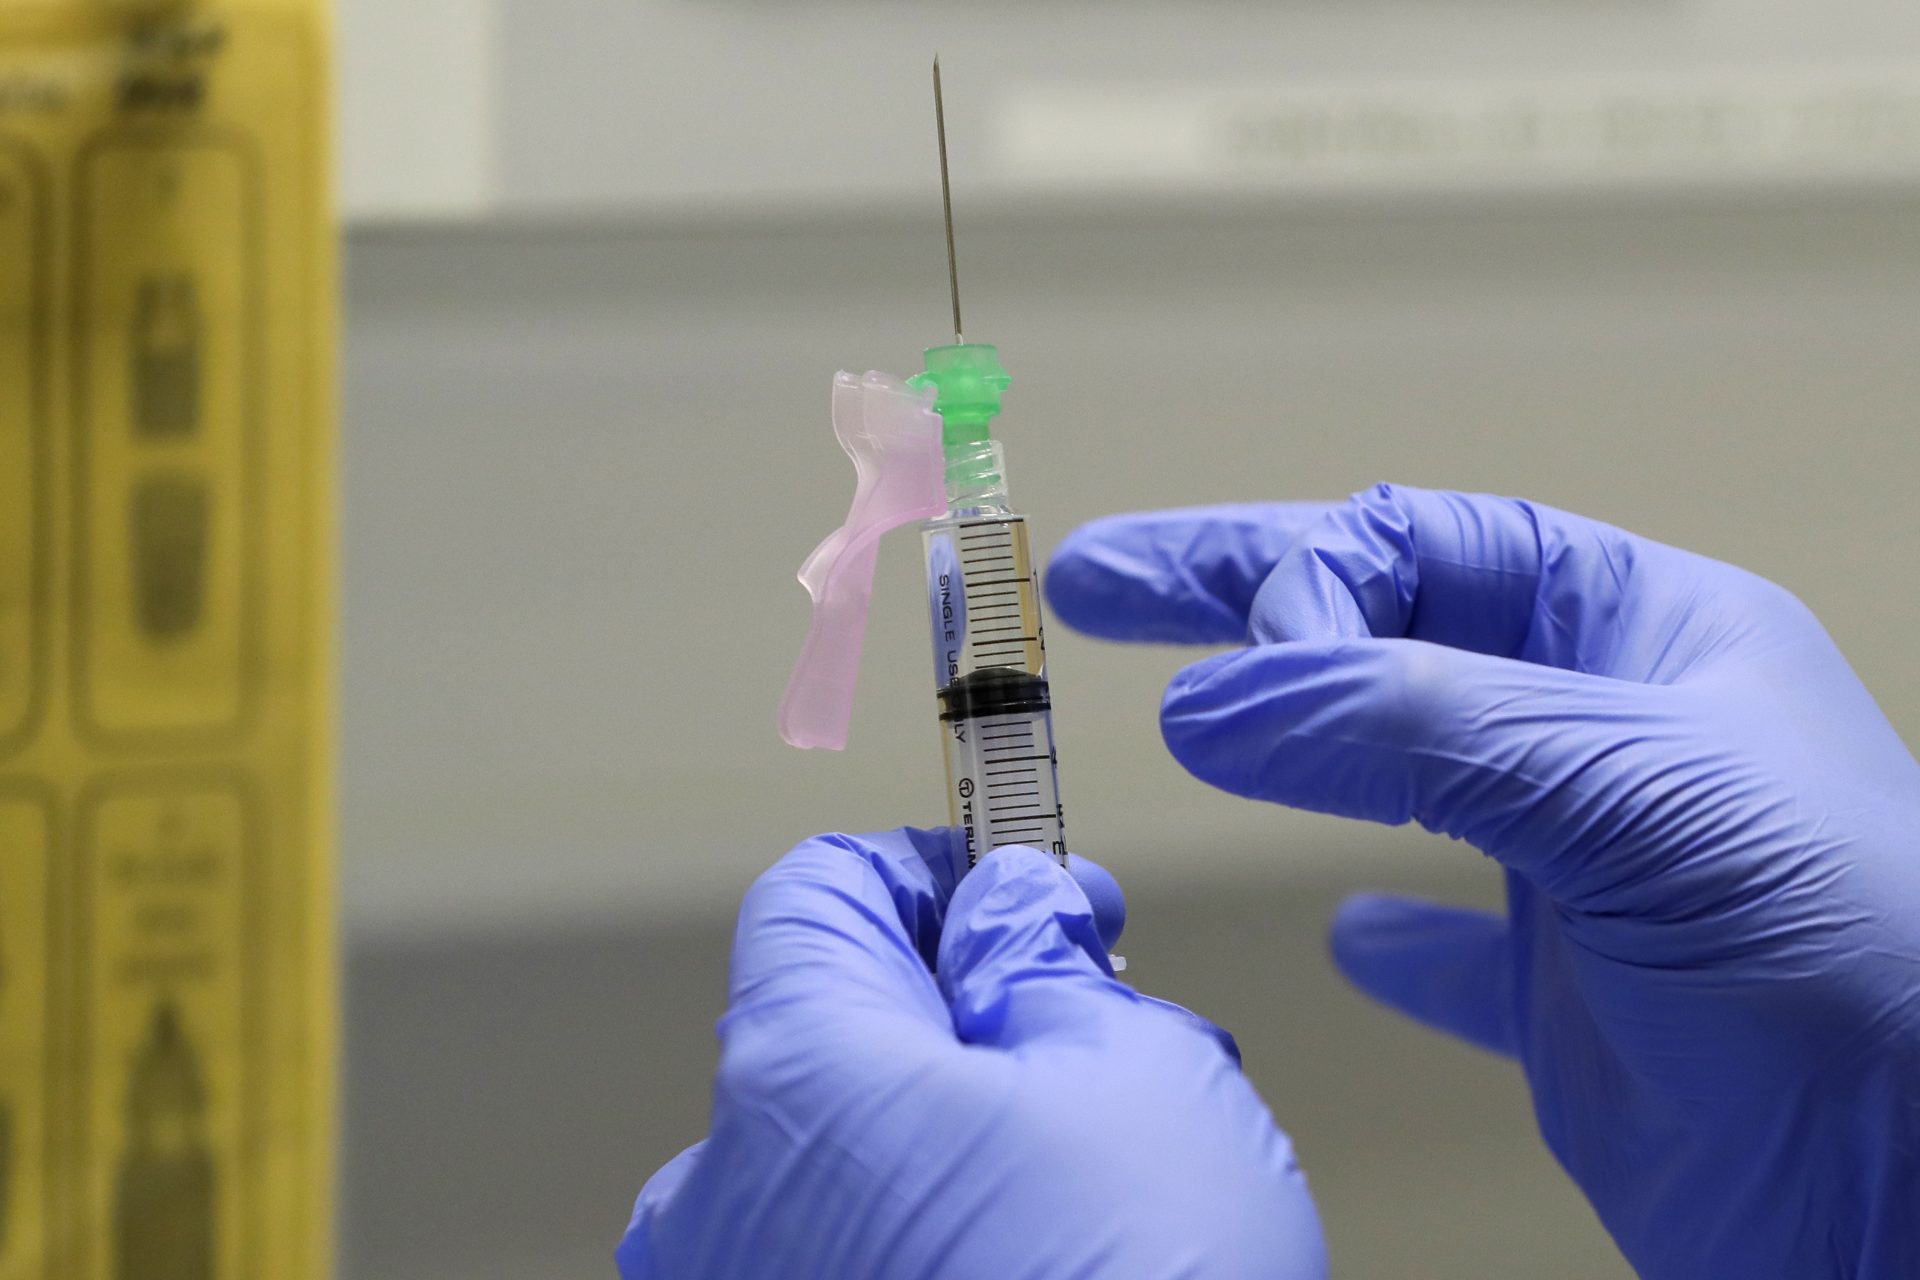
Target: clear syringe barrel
(990, 666)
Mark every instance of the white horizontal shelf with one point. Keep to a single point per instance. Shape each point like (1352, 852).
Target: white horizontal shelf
(1386, 144)
(478, 109)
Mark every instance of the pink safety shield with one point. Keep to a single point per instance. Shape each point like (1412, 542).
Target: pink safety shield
(893, 436)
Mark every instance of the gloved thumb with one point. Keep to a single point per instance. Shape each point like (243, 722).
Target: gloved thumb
(1445, 966)
(1021, 958)
(1530, 764)
(635, 1254)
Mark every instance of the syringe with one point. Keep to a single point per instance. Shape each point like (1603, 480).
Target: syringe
(983, 595)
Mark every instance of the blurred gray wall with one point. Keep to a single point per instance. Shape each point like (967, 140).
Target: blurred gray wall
(583, 462)
(582, 467)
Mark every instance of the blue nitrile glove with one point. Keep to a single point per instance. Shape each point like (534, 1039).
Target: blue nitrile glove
(1022, 1115)
(1710, 961)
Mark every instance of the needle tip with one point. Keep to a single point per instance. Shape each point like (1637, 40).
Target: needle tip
(946, 200)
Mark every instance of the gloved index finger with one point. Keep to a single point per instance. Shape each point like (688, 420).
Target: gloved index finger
(1496, 576)
(833, 946)
(1185, 576)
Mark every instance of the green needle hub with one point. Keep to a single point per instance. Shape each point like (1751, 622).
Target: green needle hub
(968, 382)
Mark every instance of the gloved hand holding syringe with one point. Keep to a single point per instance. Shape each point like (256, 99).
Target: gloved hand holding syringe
(1708, 966)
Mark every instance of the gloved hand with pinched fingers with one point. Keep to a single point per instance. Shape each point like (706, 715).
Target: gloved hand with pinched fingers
(1709, 965)
(918, 1081)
